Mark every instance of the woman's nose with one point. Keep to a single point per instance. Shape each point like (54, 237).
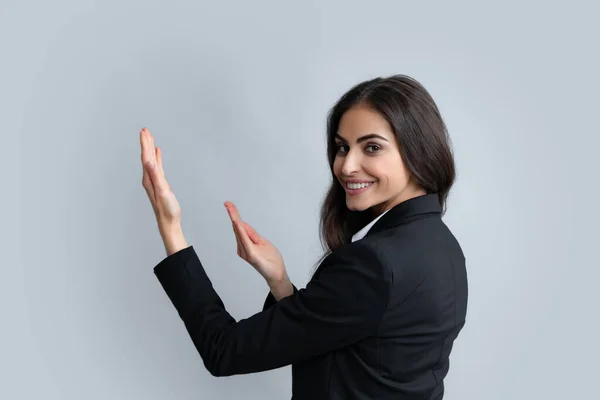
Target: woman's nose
(351, 164)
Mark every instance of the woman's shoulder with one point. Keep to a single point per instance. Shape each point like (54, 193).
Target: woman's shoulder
(358, 256)
(428, 233)
(419, 248)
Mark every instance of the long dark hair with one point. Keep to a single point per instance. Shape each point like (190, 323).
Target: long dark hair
(422, 138)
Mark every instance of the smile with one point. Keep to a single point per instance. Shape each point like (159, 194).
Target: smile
(356, 188)
(358, 185)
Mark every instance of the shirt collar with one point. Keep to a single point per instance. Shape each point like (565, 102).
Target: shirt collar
(362, 233)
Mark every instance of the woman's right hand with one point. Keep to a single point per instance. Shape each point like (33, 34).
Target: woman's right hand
(257, 251)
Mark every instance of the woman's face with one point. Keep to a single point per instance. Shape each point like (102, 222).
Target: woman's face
(368, 163)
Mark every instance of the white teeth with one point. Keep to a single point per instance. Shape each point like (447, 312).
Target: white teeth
(355, 186)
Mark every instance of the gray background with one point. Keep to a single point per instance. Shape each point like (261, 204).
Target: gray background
(236, 95)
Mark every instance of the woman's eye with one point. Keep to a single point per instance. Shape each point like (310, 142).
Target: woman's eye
(341, 148)
(372, 148)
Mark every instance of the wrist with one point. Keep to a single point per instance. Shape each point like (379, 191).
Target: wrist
(278, 280)
(281, 288)
(172, 236)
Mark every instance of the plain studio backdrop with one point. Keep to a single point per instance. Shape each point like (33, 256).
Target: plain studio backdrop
(236, 95)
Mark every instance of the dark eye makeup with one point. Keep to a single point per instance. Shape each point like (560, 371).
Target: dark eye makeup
(369, 147)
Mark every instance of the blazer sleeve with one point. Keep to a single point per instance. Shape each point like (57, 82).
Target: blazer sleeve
(270, 300)
(343, 305)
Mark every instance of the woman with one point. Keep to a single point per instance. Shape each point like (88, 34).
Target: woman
(379, 316)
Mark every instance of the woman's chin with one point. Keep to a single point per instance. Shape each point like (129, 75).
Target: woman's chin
(356, 205)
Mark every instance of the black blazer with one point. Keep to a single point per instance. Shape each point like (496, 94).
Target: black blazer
(376, 321)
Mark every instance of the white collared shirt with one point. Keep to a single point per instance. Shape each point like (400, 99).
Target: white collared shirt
(361, 234)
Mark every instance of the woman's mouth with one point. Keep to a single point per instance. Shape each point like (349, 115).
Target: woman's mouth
(357, 188)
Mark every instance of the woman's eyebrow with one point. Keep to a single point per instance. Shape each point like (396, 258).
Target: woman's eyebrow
(363, 138)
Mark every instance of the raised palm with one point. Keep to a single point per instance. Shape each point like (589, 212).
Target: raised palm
(255, 249)
(164, 203)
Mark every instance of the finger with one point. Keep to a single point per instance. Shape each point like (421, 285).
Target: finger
(252, 234)
(234, 219)
(232, 211)
(159, 161)
(152, 148)
(158, 182)
(145, 144)
(146, 181)
(159, 157)
(147, 184)
(240, 247)
(246, 242)
(153, 162)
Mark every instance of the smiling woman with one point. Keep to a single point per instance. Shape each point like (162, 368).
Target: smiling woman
(379, 317)
(388, 135)
(371, 164)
